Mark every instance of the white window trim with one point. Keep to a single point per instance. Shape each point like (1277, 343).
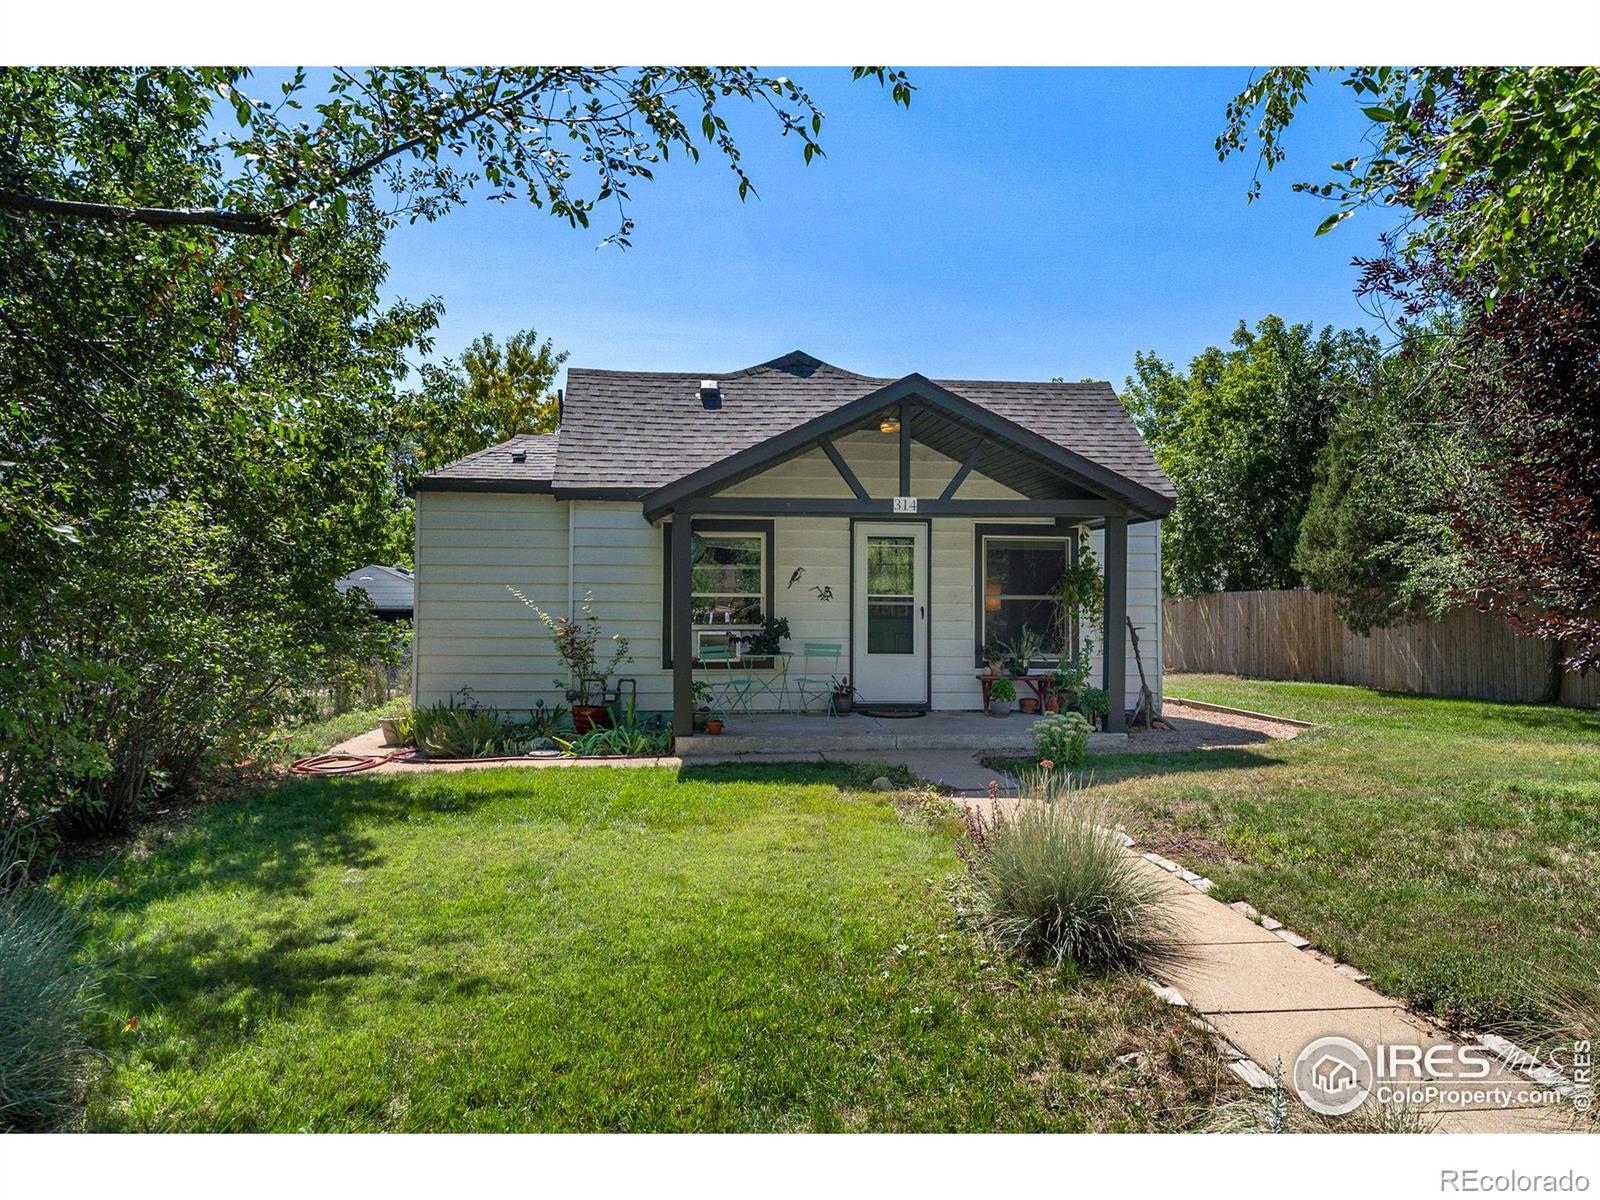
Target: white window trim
(761, 596)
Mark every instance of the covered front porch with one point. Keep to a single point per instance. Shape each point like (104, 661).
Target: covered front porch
(891, 638)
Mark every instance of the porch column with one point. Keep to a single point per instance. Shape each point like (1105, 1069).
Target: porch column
(682, 618)
(1114, 653)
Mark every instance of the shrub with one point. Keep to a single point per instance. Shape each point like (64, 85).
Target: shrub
(623, 739)
(466, 729)
(1094, 702)
(1063, 738)
(45, 998)
(1055, 883)
(1002, 689)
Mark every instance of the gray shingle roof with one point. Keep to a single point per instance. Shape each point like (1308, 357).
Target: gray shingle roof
(498, 464)
(637, 430)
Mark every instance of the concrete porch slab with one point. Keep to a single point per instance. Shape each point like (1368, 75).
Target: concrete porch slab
(789, 733)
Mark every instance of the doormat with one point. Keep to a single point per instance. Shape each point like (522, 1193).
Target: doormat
(893, 714)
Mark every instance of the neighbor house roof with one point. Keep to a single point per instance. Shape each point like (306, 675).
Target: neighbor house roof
(630, 432)
(391, 589)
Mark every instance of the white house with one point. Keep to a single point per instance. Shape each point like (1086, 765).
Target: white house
(905, 522)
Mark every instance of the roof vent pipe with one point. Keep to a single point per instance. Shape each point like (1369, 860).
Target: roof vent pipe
(711, 393)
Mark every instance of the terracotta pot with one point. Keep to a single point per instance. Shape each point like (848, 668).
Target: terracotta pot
(713, 726)
(1052, 704)
(1028, 704)
(590, 716)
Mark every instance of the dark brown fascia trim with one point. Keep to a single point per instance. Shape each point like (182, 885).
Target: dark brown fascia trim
(736, 466)
(446, 483)
(618, 493)
(788, 506)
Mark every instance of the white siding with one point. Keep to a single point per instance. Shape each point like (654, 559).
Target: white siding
(472, 631)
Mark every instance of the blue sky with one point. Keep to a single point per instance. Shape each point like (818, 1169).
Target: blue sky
(1014, 224)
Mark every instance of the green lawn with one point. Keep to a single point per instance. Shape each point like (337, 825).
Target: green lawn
(735, 949)
(1448, 847)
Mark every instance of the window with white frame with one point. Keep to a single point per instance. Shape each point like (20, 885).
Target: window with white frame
(730, 587)
(1016, 579)
(727, 575)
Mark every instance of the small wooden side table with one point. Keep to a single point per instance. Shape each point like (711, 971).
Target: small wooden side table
(1039, 685)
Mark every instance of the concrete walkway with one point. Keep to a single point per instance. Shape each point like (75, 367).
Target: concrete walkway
(1267, 994)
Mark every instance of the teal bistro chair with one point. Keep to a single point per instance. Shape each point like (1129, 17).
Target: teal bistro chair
(729, 692)
(819, 663)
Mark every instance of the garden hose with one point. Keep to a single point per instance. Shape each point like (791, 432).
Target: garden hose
(343, 764)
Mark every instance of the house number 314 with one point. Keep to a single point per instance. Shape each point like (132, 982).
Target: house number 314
(905, 504)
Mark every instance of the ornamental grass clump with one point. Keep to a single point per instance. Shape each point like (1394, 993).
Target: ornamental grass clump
(1053, 881)
(47, 995)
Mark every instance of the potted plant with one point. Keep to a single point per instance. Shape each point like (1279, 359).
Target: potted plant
(843, 694)
(398, 730)
(1095, 704)
(994, 656)
(1068, 679)
(1001, 694)
(577, 643)
(702, 704)
(713, 725)
(769, 641)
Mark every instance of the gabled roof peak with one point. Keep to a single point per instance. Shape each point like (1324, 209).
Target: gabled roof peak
(799, 364)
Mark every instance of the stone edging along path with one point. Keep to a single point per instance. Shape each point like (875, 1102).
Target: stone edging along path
(1241, 712)
(1264, 992)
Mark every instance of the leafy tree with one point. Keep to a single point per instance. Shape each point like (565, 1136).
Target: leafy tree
(1238, 435)
(1492, 170)
(514, 388)
(1377, 534)
(200, 428)
(427, 136)
(1494, 174)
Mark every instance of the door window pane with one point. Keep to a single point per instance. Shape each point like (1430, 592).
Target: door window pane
(891, 566)
(891, 628)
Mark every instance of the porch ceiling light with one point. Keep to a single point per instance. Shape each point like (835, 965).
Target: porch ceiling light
(889, 425)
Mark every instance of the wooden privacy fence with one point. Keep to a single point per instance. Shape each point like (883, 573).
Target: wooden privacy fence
(1295, 635)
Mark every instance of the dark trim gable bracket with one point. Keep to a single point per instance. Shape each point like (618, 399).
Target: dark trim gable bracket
(967, 468)
(844, 470)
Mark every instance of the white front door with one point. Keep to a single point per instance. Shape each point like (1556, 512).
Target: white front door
(889, 642)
